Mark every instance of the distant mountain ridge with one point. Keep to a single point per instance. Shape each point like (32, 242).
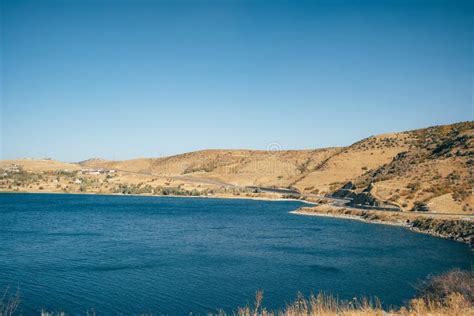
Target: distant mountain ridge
(425, 169)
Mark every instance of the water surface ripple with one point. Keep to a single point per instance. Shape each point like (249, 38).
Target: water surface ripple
(131, 255)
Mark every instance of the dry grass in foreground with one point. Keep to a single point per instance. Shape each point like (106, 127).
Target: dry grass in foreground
(9, 302)
(447, 294)
(326, 305)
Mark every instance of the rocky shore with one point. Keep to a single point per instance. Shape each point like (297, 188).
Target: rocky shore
(455, 227)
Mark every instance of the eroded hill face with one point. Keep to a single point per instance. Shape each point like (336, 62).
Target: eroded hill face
(427, 170)
(435, 173)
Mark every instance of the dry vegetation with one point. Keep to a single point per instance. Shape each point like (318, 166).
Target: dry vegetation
(434, 174)
(325, 305)
(9, 302)
(429, 169)
(447, 294)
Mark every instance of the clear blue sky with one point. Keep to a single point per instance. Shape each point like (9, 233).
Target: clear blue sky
(124, 79)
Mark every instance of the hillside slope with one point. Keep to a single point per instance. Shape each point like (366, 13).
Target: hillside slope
(351, 162)
(427, 169)
(233, 167)
(435, 173)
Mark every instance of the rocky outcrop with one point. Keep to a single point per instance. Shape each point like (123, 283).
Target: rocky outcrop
(365, 199)
(458, 145)
(345, 192)
(454, 227)
(460, 230)
(349, 186)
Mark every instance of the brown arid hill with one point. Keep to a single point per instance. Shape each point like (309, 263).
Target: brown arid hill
(226, 167)
(427, 170)
(348, 163)
(39, 165)
(434, 173)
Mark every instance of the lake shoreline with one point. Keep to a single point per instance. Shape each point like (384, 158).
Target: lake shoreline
(414, 222)
(454, 227)
(236, 197)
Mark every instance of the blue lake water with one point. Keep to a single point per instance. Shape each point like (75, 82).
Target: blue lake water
(131, 255)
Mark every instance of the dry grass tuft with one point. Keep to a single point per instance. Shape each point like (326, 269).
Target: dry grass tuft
(9, 302)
